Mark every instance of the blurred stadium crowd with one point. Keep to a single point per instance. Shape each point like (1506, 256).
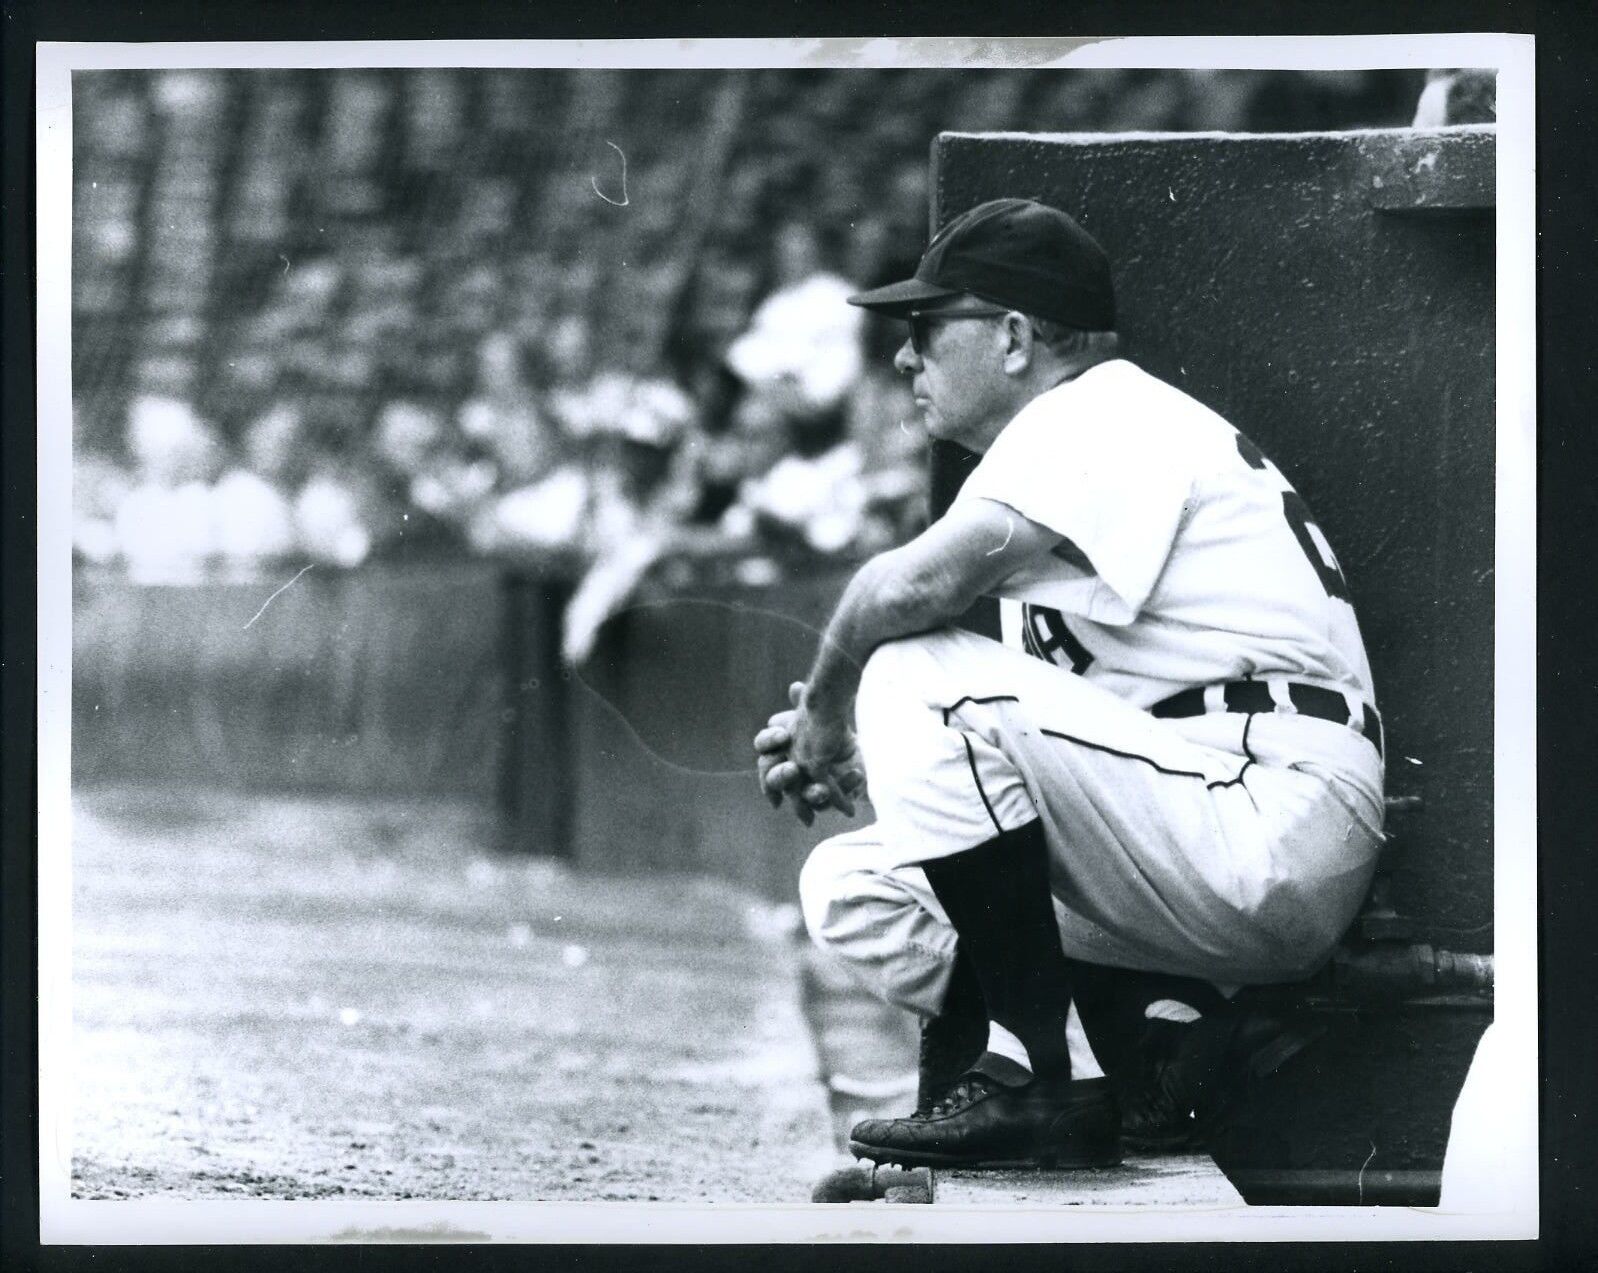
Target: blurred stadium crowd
(587, 320)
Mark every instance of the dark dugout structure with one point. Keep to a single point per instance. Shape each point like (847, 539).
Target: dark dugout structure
(1332, 295)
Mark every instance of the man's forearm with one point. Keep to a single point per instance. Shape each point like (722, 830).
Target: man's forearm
(885, 600)
(925, 584)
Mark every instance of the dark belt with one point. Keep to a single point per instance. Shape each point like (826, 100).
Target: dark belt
(1255, 696)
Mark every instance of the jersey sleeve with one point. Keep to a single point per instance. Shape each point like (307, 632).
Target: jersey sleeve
(1105, 484)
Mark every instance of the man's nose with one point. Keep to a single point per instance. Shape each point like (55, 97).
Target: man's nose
(906, 360)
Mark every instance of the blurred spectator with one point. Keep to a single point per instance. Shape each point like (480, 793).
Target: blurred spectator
(540, 510)
(416, 268)
(718, 305)
(99, 485)
(802, 348)
(504, 417)
(255, 510)
(642, 422)
(166, 525)
(333, 513)
(407, 434)
(846, 485)
(639, 496)
(454, 487)
(439, 479)
(541, 523)
(721, 455)
(816, 500)
(571, 366)
(302, 299)
(801, 360)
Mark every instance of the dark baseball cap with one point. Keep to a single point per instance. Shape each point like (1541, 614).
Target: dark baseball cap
(1017, 253)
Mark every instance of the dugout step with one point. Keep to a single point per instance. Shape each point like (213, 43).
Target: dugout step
(1191, 1181)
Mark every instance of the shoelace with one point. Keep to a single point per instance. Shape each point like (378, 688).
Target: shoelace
(970, 1089)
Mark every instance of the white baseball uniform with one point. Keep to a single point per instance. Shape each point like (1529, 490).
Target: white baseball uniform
(1183, 700)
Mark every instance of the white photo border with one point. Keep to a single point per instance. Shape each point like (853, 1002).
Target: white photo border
(65, 1220)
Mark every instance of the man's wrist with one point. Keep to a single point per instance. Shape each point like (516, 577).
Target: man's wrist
(827, 702)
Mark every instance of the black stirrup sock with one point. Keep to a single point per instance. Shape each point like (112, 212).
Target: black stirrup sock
(997, 897)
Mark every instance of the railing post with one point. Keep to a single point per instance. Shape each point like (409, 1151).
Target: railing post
(537, 788)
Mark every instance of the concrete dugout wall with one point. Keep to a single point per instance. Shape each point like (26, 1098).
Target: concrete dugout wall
(383, 681)
(445, 680)
(1332, 296)
(662, 715)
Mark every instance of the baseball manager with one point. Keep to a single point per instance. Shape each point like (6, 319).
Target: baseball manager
(1174, 761)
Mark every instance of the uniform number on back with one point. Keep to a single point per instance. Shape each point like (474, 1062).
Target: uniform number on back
(1300, 521)
(1043, 633)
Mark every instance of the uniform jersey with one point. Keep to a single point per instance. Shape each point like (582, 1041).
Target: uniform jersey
(1188, 558)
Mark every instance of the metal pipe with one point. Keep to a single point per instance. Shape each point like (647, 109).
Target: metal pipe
(1389, 971)
(1348, 1187)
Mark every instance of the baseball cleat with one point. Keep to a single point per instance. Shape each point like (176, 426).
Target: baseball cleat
(998, 1115)
(1183, 1065)
(1194, 1069)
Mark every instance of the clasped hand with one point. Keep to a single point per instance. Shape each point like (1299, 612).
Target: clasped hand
(815, 762)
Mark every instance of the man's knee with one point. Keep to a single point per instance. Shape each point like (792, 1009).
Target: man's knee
(891, 665)
(899, 683)
(824, 888)
(850, 899)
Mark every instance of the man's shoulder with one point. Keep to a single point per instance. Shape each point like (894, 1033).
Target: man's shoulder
(1115, 381)
(1121, 376)
(1110, 398)
(1138, 401)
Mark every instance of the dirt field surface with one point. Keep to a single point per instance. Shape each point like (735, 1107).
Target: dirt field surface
(318, 999)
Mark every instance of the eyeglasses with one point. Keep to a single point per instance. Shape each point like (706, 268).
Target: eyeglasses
(921, 321)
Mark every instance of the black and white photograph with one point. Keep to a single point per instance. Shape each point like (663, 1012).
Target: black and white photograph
(790, 638)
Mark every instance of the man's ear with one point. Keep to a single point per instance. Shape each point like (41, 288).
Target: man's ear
(1020, 343)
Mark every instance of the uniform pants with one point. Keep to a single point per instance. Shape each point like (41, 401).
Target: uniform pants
(1228, 847)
